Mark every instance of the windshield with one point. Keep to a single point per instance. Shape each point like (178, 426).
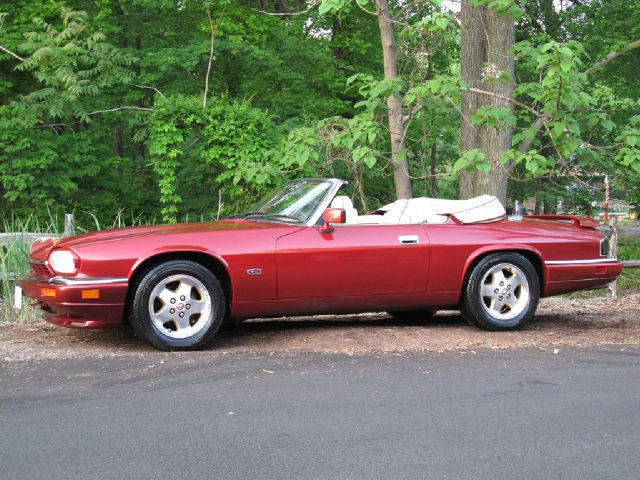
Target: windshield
(295, 202)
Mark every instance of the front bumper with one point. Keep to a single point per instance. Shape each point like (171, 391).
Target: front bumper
(64, 304)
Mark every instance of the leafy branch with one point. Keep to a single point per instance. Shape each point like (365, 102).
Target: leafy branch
(14, 55)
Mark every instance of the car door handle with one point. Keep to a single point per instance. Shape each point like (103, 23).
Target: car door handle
(409, 239)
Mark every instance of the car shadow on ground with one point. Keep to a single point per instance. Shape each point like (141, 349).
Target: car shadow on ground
(342, 321)
(232, 335)
(231, 332)
(583, 323)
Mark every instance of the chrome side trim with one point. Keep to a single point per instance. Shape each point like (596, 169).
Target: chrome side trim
(37, 279)
(39, 262)
(581, 262)
(59, 280)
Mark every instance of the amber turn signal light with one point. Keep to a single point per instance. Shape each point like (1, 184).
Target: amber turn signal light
(48, 292)
(90, 294)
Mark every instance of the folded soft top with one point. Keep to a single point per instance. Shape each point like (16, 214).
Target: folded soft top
(485, 208)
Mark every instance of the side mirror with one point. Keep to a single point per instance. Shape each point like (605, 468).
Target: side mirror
(333, 215)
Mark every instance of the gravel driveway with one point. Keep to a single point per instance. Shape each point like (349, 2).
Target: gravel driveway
(559, 321)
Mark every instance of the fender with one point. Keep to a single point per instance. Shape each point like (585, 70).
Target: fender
(504, 247)
(176, 250)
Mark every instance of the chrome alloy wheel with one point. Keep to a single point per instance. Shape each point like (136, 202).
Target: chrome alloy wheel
(180, 306)
(504, 291)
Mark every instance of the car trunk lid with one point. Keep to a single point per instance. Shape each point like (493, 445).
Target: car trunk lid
(572, 219)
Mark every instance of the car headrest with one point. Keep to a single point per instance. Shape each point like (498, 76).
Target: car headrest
(342, 201)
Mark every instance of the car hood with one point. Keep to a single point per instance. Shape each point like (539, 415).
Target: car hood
(41, 250)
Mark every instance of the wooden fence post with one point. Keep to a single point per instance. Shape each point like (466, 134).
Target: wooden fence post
(69, 225)
(613, 253)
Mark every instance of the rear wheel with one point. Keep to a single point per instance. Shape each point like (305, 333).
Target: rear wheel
(501, 293)
(178, 305)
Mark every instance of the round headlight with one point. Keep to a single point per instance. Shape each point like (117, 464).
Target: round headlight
(63, 261)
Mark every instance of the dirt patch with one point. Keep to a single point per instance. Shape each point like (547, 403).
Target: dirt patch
(559, 321)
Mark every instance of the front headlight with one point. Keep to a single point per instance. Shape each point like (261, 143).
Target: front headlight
(64, 261)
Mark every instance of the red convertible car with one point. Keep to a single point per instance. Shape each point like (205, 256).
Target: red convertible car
(306, 250)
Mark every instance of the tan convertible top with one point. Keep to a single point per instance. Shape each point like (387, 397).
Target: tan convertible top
(482, 209)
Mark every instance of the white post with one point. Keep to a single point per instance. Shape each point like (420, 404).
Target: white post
(69, 225)
(613, 253)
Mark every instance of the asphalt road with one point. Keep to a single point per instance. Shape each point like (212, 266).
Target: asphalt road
(512, 414)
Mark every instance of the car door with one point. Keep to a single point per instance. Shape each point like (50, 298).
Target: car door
(352, 260)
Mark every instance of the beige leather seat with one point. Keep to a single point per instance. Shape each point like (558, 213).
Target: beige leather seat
(345, 203)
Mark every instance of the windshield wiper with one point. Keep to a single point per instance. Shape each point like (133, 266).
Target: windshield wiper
(249, 214)
(277, 216)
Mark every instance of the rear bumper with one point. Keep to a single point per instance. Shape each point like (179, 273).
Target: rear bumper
(64, 303)
(571, 276)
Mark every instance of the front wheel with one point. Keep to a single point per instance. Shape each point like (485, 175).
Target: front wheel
(501, 293)
(178, 305)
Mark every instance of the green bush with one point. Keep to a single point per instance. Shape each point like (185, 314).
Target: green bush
(198, 152)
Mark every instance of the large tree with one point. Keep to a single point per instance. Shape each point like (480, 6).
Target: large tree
(396, 116)
(487, 61)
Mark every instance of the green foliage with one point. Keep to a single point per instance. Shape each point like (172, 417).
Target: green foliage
(41, 168)
(227, 147)
(297, 95)
(497, 118)
(472, 159)
(628, 153)
(438, 22)
(301, 146)
(533, 161)
(629, 281)
(53, 153)
(70, 63)
(574, 114)
(331, 6)
(503, 7)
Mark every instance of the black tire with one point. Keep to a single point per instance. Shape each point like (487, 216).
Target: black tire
(483, 294)
(205, 293)
(422, 314)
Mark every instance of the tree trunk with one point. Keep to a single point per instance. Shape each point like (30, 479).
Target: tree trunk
(396, 124)
(537, 210)
(471, 64)
(118, 130)
(118, 140)
(336, 26)
(434, 181)
(138, 148)
(492, 141)
(486, 37)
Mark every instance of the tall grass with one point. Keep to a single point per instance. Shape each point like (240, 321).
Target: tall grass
(14, 255)
(629, 281)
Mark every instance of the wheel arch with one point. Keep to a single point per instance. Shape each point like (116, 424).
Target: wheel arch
(527, 251)
(215, 264)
